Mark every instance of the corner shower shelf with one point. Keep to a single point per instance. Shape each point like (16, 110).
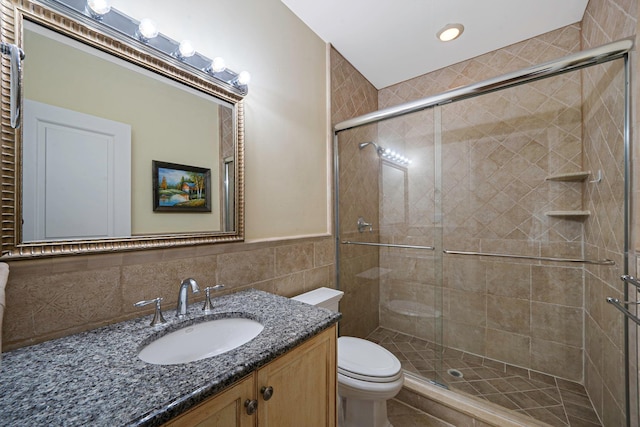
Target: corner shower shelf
(569, 214)
(571, 176)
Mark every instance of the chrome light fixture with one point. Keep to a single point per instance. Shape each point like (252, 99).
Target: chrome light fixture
(450, 32)
(146, 30)
(98, 8)
(100, 15)
(185, 50)
(243, 78)
(217, 66)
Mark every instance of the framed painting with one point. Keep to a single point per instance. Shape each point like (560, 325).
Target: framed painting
(181, 188)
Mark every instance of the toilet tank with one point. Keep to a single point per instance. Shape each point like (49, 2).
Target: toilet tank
(322, 297)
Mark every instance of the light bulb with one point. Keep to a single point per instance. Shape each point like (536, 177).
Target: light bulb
(243, 78)
(450, 32)
(98, 8)
(218, 65)
(186, 49)
(147, 29)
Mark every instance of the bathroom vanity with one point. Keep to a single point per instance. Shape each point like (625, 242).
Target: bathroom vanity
(299, 385)
(285, 374)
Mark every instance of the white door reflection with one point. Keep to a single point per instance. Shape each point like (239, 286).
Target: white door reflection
(76, 175)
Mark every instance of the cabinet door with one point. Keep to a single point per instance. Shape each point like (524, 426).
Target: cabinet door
(223, 410)
(303, 383)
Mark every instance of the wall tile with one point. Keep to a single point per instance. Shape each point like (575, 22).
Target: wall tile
(557, 359)
(510, 280)
(468, 307)
(242, 268)
(320, 277)
(508, 347)
(287, 286)
(293, 258)
(508, 314)
(465, 337)
(557, 285)
(324, 252)
(557, 323)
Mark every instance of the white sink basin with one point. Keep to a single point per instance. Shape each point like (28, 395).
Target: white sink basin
(199, 341)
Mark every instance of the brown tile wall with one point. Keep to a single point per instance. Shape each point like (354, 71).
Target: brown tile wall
(605, 21)
(353, 95)
(50, 298)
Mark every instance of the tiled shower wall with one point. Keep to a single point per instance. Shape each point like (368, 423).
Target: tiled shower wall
(603, 103)
(497, 150)
(352, 95)
(50, 298)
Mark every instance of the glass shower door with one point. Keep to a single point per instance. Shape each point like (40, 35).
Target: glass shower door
(390, 267)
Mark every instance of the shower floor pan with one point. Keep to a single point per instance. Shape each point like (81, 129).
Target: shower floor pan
(545, 398)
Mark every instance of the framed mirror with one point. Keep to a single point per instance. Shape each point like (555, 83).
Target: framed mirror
(119, 147)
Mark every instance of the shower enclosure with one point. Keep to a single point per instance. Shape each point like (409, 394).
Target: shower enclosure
(479, 233)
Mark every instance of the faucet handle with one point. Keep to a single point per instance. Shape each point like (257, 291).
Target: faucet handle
(158, 318)
(207, 299)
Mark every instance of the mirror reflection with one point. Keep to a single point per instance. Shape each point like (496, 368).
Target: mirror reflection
(94, 125)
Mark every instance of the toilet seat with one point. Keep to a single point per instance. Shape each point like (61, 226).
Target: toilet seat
(366, 361)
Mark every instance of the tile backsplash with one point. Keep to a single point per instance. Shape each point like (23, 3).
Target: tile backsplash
(50, 298)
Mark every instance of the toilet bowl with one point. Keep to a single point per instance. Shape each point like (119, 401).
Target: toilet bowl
(368, 374)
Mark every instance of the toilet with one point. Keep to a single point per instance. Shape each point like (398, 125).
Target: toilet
(368, 374)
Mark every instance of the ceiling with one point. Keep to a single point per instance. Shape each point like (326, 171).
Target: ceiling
(390, 41)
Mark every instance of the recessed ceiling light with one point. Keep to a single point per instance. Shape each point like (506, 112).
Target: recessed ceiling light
(450, 32)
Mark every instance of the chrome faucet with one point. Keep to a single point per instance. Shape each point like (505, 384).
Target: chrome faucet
(182, 296)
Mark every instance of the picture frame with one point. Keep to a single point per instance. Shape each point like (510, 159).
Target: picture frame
(180, 188)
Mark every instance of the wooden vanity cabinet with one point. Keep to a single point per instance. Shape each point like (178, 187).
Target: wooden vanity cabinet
(225, 409)
(296, 389)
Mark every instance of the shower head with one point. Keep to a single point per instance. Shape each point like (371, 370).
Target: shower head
(364, 144)
(387, 154)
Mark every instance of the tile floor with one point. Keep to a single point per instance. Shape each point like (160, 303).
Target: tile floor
(552, 400)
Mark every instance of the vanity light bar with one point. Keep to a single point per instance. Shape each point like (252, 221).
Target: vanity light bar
(98, 14)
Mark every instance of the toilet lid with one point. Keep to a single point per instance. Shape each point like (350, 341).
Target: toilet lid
(367, 361)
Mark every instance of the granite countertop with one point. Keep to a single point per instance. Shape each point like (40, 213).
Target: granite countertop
(95, 377)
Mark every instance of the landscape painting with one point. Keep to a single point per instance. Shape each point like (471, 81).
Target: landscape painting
(181, 188)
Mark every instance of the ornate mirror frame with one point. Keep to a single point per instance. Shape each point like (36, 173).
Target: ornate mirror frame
(13, 12)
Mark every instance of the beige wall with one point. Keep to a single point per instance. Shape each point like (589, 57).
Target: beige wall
(286, 109)
(286, 185)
